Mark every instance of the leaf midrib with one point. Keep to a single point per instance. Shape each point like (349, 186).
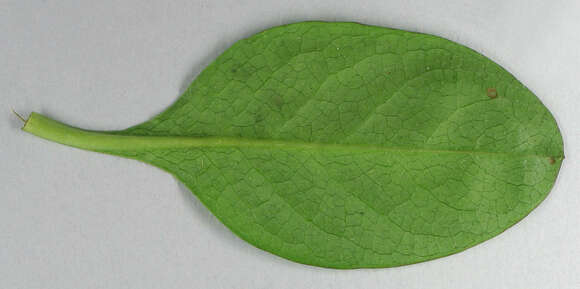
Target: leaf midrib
(50, 129)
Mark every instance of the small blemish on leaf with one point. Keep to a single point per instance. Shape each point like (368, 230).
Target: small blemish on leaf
(492, 92)
(258, 118)
(552, 160)
(278, 101)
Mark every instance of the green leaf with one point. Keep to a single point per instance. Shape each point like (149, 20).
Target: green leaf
(346, 146)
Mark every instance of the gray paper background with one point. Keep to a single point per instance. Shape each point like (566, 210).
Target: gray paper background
(76, 219)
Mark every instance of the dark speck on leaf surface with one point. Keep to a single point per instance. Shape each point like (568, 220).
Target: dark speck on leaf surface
(492, 92)
(278, 101)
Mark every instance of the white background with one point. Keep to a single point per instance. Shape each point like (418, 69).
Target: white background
(76, 219)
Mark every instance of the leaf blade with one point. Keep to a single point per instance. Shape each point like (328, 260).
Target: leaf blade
(350, 146)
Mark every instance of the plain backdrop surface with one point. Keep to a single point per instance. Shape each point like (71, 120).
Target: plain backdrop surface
(76, 219)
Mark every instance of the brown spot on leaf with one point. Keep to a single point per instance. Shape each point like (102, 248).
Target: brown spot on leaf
(492, 92)
(552, 160)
